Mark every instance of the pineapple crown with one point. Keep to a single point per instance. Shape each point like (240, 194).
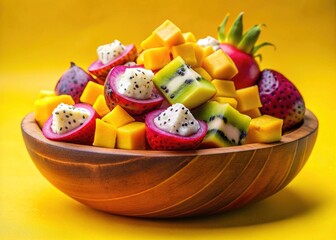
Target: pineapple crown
(245, 42)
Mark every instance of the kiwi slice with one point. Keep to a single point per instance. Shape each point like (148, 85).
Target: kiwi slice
(179, 83)
(226, 125)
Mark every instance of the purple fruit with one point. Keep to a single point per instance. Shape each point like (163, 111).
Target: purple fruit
(73, 82)
(281, 99)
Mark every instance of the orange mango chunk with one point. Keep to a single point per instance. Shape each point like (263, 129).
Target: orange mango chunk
(152, 41)
(264, 129)
(253, 113)
(230, 100)
(46, 93)
(118, 117)
(169, 34)
(140, 59)
(156, 58)
(189, 37)
(105, 134)
(44, 107)
(91, 92)
(208, 51)
(100, 106)
(225, 88)
(199, 53)
(219, 65)
(201, 71)
(132, 136)
(186, 52)
(248, 98)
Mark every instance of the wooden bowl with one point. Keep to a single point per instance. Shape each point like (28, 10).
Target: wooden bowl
(166, 184)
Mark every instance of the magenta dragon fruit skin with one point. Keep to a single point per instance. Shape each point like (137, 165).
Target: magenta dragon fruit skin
(161, 140)
(281, 99)
(84, 134)
(73, 82)
(131, 105)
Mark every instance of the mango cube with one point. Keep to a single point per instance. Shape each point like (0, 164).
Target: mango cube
(105, 134)
(199, 53)
(264, 129)
(132, 136)
(156, 58)
(253, 113)
(189, 37)
(186, 52)
(152, 41)
(44, 107)
(169, 34)
(118, 117)
(248, 98)
(100, 106)
(91, 92)
(201, 71)
(207, 51)
(225, 88)
(219, 65)
(46, 93)
(230, 100)
(140, 59)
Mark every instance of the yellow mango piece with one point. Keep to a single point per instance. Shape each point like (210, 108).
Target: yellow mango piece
(105, 134)
(100, 106)
(189, 37)
(169, 34)
(225, 88)
(201, 71)
(46, 93)
(186, 52)
(199, 53)
(156, 58)
(248, 98)
(152, 41)
(264, 129)
(253, 113)
(91, 92)
(44, 107)
(230, 100)
(219, 65)
(118, 117)
(208, 51)
(132, 136)
(140, 58)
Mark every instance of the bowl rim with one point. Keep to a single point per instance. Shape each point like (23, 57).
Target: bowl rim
(30, 127)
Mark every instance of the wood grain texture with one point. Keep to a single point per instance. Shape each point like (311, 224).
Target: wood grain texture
(162, 184)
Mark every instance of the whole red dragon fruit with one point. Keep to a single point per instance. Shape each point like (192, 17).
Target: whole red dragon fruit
(281, 99)
(242, 50)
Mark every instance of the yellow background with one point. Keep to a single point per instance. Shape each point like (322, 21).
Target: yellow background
(39, 38)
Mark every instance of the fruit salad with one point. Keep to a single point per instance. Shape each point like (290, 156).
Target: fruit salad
(173, 92)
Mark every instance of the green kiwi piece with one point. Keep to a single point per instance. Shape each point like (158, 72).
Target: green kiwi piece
(226, 125)
(179, 83)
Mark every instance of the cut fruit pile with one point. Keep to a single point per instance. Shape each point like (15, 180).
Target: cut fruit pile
(176, 92)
